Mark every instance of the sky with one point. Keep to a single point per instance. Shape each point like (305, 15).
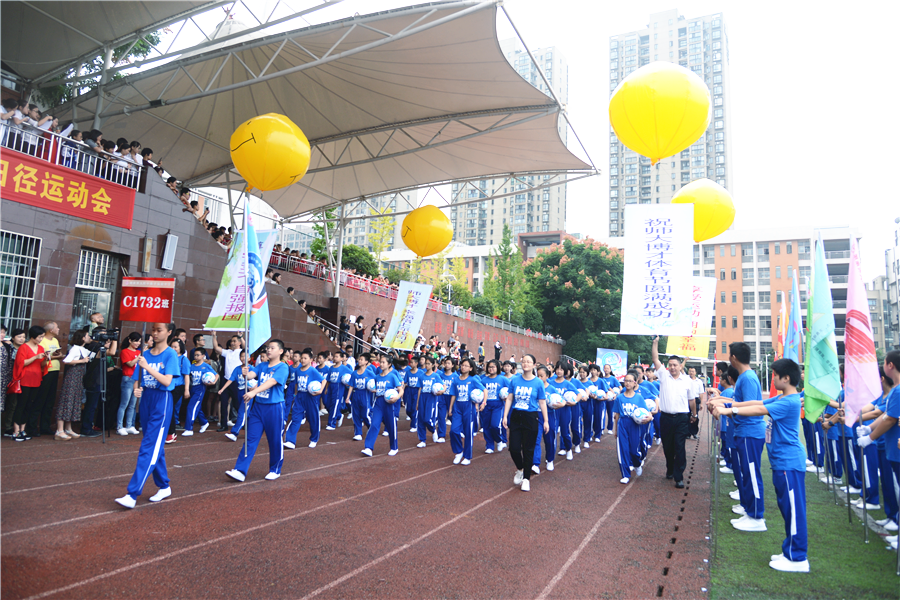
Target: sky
(813, 105)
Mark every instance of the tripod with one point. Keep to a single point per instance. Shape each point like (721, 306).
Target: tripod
(101, 353)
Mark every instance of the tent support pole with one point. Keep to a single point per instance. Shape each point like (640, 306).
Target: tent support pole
(340, 251)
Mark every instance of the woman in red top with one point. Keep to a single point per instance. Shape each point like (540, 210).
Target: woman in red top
(31, 364)
(129, 356)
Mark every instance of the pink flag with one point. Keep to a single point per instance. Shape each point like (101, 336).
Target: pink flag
(862, 383)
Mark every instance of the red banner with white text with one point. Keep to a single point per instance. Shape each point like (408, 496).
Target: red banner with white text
(147, 299)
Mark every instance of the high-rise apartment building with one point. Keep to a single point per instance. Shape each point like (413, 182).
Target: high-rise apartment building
(360, 231)
(481, 223)
(699, 44)
(879, 313)
(892, 271)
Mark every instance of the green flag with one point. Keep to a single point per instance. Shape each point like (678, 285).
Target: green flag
(823, 377)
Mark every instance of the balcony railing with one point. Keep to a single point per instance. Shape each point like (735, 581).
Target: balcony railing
(765, 331)
(838, 331)
(838, 254)
(838, 278)
(839, 304)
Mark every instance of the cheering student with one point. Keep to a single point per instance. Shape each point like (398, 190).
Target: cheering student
(427, 402)
(266, 414)
(359, 394)
(413, 381)
(336, 390)
(306, 402)
(749, 437)
(491, 408)
(628, 432)
(199, 368)
(153, 382)
(236, 378)
(520, 418)
(787, 458)
(461, 401)
(388, 382)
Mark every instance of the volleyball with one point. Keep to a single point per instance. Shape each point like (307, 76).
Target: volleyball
(346, 379)
(437, 388)
(504, 393)
(391, 396)
(208, 378)
(314, 387)
(640, 414)
(476, 395)
(370, 385)
(570, 396)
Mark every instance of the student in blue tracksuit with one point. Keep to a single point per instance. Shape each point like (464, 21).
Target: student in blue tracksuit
(461, 409)
(581, 383)
(886, 431)
(427, 409)
(577, 410)
(236, 378)
(443, 400)
(306, 402)
(360, 393)
(849, 449)
(265, 414)
(787, 459)
(492, 408)
(401, 366)
(598, 399)
(413, 381)
(388, 380)
(337, 390)
(153, 376)
(559, 398)
(524, 403)
(290, 390)
(628, 432)
(749, 437)
(180, 391)
(868, 417)
(613, 385)
(869, 454)
(649, 393)
(726, 385)
(199, 368)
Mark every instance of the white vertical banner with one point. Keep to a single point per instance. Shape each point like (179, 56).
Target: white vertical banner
(656, 292)
(704, 304)
(409, 311)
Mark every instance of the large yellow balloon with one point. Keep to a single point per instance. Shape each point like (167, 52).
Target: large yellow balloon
(660, 109)
(426, 230)
(270, 152)
(713, 207)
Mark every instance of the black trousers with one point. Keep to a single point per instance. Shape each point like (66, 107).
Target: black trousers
(24, 415)
(694, 428)
(47, 401)
(523, 433)
(674, 430)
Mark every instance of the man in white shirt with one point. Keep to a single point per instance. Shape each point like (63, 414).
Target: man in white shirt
(232, 358)
(698, 397)
(677, 412)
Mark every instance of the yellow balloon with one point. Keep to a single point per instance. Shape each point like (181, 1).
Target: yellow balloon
(660, 109)
(713, 207)
(426, 230)
(270, 152)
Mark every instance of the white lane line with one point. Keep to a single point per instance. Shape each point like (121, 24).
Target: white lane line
(587, 539)
(133, 453)
(231, 536)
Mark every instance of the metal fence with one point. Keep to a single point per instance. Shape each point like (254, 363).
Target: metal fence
(19, 263)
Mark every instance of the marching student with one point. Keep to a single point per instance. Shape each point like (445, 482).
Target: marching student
(199, 368)
(462, 397)
(337, 374)
(698, 396)
(388, 383)
(443, 400)
(180, 391)
(427, 402)
(597, 400)
(413, 381)
(870, 414)
(558, 398)
(292, 360)
(611, 383)
(520, 417)
(628, 432)
(323, 365)
(236, 378)
(581, 384)
(266, 413)
(787, 458)
(153, 376)
(401, 367)
(491, 408)
(359, 394)
(306, 402)
(749, 437)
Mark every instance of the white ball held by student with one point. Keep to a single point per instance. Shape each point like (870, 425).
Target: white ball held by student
(504, 393)
(438, 388)
(314, 387)
(345, 379)
(570, 396)
(476, 395)
(640, 414)
(208, 378)
(370, 385)
(391, 396)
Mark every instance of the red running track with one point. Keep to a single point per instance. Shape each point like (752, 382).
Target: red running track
(340, 525)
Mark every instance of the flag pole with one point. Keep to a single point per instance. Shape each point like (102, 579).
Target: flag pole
(865, 500)
(246, 309)
(846, 463)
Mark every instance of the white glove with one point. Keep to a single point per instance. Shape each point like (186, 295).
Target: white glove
(864, 441)
(863, 430)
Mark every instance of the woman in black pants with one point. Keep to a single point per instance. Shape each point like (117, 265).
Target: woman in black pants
(520, 418)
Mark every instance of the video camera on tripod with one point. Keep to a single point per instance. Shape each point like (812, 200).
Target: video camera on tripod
(105, 335)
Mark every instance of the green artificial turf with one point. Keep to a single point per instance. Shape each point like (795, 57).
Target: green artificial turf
(842, 565)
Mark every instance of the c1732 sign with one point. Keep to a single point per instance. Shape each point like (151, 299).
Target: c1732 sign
(147, 299)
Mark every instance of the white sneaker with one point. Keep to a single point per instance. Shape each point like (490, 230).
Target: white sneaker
(289, 445)
(413, 430)
(569, 455)
(162, 494)
(384, 433)
(526, 485)
(809, 463)
(790, 566)
(441, 441)
(448, 422)
(658, 441)
(322, 412)
(187, 433)
(235, 474)
(890, 526)
(738, 509)
(204, 427)
(465, 462)
(329, 428)
(722, 463)
(434, 437)
(312, 444)
(126, 501)
(891, 539)
(231, 436)
(639, 471)
(489, 451)
(518, 478)
(367, 452)
(340, 421)
(586, 445)
(132, 431)
(357, 438)
(550, 466)
(739, 519)
(853, 490)
(420, 445)
(393, 452)
(750, 524)
(624, 480)
(726, 470)
(457, 458)
(122, 431)
(812, 469)
(230, 424)
(562, 452)
(734, 495)
(869, 506)
(501, 447)
(407, 418)
(535, 469)
(577, 449)
(272, 475)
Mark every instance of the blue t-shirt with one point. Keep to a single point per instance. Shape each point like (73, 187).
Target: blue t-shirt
(559, 387)
(492, 387)
(892, 409)
(427, 381)
(336, 387)
(197, 372)
(304, 378)
(880, 404)
(275, 394)
(447, 380)
(747, 389)
(166, 363)
(237, 376)
(601, 385)
(656, 385)
(625, 406)
(834, 432)
(724, 421)
(391, 381)
(647, 390)
(786, 453)
(612, 382)
(185, 369)
(358, 382)
(848, 431)
(291, 388)
(462, 388)
(526, 394)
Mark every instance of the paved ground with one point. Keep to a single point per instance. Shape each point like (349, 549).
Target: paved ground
(340, 525)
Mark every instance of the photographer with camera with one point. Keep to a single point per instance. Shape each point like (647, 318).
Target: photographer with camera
(103, 344)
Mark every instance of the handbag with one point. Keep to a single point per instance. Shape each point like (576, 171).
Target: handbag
(14, 387)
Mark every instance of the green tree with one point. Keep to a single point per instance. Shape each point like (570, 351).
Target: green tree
(317, 248)
(415, 268)
(381, 237)
(360, 259)
(483, 306)
(458, 270)
(505, 283)
(395, 275)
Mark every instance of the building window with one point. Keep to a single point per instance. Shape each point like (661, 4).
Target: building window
(734, 274)
(765, 300)
(778, 296)
(734, 322)
(722, 274)
(778, 273)
(709, 272)
(724, 347)
(789, 248)
(749, 299)
(724, 325)
(749, 325)
(777, 247)
(733, 249)
(734, 297)
(747, 274)
(764, 275)
(723, 297)
(19, 256)
(720, 124)
(722, 250)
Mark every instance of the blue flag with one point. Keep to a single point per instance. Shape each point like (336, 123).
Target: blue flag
(260, 324)
(794, 339)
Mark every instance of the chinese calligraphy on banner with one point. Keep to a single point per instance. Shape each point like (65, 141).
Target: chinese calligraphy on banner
(147, 299)
(656, 295)
(412, 301)
(37, 183)
(703, 303)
